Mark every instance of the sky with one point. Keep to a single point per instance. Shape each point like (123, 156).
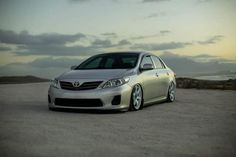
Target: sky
(44, 38)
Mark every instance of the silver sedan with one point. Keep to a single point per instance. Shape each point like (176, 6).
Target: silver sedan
(121, 80)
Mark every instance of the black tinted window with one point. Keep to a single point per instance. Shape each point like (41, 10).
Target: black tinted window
(95, 62)
(146, 60)
(157, 62)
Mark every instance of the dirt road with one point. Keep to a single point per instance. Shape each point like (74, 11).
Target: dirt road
(199, 123)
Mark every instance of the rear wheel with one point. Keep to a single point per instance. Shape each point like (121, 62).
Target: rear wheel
(171, 93)
(136, 101)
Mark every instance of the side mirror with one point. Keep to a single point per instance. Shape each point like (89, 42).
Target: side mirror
(73, 67)
(146, 67)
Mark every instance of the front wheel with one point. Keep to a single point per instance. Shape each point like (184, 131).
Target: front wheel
(136, 101)
(171, 93)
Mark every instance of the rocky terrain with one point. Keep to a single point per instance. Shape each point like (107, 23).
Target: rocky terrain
(206, 84)
(182, 82)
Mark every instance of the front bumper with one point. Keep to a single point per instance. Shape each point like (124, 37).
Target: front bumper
(106, 96)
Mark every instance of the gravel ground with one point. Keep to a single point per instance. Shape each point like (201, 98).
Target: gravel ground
(199, 123)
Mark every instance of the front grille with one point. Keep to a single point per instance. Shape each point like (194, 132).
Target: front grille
(78, 102)
(84, 86)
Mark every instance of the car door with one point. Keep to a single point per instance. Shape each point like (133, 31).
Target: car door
(149, 80)
(162, 77)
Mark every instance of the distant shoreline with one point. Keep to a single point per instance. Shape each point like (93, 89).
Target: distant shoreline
(188, 83)
(182, 82)
(21, 79)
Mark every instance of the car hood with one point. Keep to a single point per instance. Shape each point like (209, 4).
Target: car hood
(94, 74)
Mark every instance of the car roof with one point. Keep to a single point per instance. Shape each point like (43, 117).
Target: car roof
(121, 52)
(127, 52)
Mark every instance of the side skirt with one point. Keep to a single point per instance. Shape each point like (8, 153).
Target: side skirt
(154, 101)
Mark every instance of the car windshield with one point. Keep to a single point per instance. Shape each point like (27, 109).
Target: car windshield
(110, 61)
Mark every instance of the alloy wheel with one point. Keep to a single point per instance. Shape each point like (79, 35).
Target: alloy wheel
(137, 97)
(171, 92)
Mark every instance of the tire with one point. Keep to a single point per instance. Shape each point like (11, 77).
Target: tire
(171, 92)
(136, 100)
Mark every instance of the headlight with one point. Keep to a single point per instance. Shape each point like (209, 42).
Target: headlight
(55, 83)
(115, 82)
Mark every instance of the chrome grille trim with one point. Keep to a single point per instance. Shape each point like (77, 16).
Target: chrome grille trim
(84, 86)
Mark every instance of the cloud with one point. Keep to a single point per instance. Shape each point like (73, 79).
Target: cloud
(155, 15)
(98, 43)
(50, 67)
(52, 44)
(25, 69)
(152, 15)
(56, 50)
(4, 48)
(189, 66)
(161, 33)
(24, 38)
(147, 1)
(123, 43)
(203, 1)
(144, 37)
(211, 58)
(211, 40)
(79, 0)
(55, 44)
(164, 32)
(82, 1)
(109, 35)
(201, 58)
(50, 62)
(47, 67)
(204, 56)
(161, 46)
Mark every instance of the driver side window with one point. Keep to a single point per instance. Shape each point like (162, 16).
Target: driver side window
(146, 60)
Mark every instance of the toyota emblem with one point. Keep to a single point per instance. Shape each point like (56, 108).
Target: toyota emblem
(76, 84)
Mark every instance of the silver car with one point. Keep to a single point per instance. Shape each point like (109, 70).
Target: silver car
(120, 80)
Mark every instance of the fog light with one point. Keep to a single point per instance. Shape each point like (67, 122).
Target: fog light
(116, 100)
